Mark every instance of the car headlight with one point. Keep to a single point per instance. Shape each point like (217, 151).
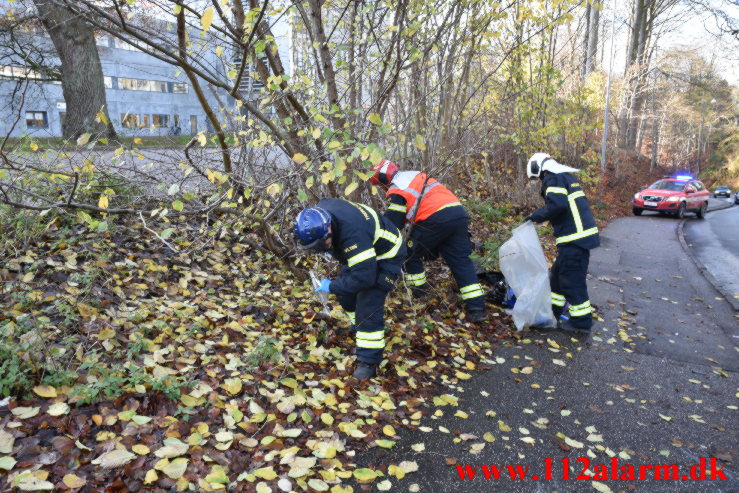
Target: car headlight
(637, 196)
(674, 198)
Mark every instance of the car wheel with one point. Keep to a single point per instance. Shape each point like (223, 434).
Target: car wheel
(681, 211)
(701, 213)
(637, 211)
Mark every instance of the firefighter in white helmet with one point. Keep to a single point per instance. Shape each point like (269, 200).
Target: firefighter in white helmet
(568, 211)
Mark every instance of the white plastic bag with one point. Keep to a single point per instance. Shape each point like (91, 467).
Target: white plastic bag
(525, 269)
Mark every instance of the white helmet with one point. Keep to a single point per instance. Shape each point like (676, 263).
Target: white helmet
(542, 161)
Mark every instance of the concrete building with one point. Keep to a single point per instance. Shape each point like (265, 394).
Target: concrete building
(145, 96)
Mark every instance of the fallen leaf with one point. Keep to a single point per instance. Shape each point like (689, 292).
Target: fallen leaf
(72, 481)
(114, 458)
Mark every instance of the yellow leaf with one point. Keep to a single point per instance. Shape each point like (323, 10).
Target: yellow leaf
(114, 458)
(202, 140)
(103, 202)
(364, 475)
(503, 426)
(87, 311)
(58, 408)
(34, 146)
(316, 133)
(72, 481)
(83, 139)
(151, 476)
(352, 186)
(327, 419)
(488, 437)
(191, 401)
(25, 412)
(217, 475)
(462, 414)
(267, 473)
(207, 19)
(140, 449)
(176, 468)
(45, 391)
(300, 158)
(101, 117)
(389, 430)
(232, 385)
(463, 376)
(106, 333)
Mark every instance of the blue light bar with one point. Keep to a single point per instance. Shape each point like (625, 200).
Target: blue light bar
(684, 177)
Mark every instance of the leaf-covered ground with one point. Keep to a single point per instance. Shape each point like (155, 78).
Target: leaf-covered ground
(206, 370)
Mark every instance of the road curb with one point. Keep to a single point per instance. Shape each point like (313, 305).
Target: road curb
(703, 269)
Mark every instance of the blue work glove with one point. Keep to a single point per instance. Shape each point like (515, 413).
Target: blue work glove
(323, 288)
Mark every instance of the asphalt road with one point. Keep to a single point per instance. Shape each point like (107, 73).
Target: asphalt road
(656, 384)
(715, 243)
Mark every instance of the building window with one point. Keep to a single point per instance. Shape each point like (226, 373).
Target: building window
(179, 88)
(119, 43)
(144, 122)
(22, 73)
(108, 82)
(142, 85)
(158, 86)
(101, 40)
(130, 120)
(160, 120)
(36, 119)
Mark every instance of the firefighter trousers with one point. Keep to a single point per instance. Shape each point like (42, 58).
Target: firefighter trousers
(451, 240)
(367, 310)
(568, 283)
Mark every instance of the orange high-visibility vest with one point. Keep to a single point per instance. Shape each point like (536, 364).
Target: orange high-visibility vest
(408, 184)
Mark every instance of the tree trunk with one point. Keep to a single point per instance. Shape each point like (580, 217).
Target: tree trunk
(655, 142)
(81, 72)
(593, 38)
(586, 42)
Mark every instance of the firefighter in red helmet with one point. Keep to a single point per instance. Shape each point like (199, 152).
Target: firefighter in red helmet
(440, 227)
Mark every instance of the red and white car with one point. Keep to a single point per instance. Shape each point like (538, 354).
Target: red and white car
(673, 195)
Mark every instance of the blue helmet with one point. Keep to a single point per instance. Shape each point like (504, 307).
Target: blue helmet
(312, 227)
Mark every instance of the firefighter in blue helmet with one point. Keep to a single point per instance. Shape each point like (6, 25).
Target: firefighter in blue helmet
(371, 251)
(568, 211)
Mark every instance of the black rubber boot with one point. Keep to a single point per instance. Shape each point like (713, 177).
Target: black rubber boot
(365, 371)
(476, 316)
(566, 326)
(419, 292)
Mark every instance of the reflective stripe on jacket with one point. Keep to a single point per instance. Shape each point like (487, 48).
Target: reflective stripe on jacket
(568, 211)
(365, 242)
(410, 186)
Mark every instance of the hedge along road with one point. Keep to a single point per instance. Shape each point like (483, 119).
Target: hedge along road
(655, 385)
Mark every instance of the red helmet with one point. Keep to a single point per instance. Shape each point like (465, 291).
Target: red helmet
(384, 172)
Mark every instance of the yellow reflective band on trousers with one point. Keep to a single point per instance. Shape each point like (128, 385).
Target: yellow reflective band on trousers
(371, 340)
(577, 236)
(558, 299)
(352, 317)
(360, 257)
(580, 310)
(396, 207)
(471, 291)
(416, 279)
